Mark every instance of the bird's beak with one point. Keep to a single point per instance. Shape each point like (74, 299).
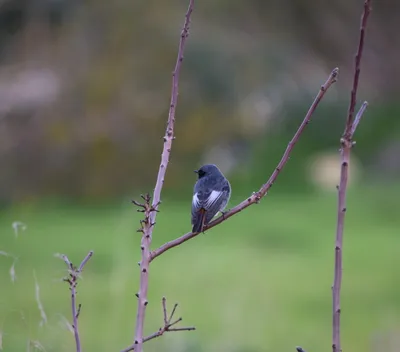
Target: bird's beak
(196, 171)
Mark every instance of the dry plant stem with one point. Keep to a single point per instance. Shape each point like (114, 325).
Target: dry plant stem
(72, 280)
(358, 118)
(353, 97)
(256, 196)
(151, 211)
(346, 145)
(166, 328)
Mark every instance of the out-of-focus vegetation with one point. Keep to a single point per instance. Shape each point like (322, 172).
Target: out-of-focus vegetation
(84, 96)
(258, 282)
(84, 90)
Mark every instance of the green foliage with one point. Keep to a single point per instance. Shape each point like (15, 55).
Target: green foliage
(258, 282)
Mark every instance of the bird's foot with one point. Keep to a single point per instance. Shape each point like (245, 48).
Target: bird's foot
(223, 213)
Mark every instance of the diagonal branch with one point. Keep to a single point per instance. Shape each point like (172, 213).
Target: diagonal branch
(358, 118)
(346, 145)
(256, 196)
(168, 326)
(72, 280)
(150, 209)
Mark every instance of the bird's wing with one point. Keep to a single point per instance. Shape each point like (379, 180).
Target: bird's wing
(215, 203)
(198, 212)
(211, 201)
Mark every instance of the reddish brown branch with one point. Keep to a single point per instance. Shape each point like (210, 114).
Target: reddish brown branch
(256, 196)
(168, 327)
(346, 145)
(151, 210)
(72, 279)
(357, 68)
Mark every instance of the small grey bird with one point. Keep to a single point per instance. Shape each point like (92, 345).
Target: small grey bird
(210, 195)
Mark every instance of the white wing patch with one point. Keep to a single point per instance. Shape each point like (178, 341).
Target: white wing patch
(212, 199)
(196, 202)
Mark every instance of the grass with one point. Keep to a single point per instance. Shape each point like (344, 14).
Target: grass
(258, 282)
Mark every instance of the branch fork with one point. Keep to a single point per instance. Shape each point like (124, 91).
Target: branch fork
(150, 209)
(167, 327)
(346, 144)
(147, 208)
(72, 280)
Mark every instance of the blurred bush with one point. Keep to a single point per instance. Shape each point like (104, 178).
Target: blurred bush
(85, 90)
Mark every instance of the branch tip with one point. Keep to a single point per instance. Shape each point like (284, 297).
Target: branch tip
(72, 280)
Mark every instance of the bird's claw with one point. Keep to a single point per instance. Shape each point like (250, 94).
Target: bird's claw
(223, 214)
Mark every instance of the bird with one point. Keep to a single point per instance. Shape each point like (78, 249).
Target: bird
(211, 194)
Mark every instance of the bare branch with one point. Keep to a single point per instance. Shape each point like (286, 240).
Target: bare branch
(166, 328)
(256, 196)
(346, 145)
(358, 118)
(353, 97)
(150, 211)
(173, 312)
(164, 304)
(84, 261)
(182, 329)
(175, 322)
(72, 279)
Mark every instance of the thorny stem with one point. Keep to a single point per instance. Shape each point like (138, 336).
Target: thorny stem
(346, 145)
(151, 211)
(72, 280)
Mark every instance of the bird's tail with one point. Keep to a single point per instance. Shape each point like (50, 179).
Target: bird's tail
(199, 221)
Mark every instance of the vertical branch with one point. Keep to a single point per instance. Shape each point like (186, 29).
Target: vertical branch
(151, 210)
(72, 280)
(169, 133)
(357, 69)
(75, 318)
(346, 145)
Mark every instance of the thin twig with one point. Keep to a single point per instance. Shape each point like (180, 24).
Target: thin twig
(166, 328)
(75, 317)
(151, 211)
(85, 260)
(175, 322)
(358, 117)
(72, 279)
(164, 304)
(256, 196)
(173, 312)
(346, 145)
(357, 69)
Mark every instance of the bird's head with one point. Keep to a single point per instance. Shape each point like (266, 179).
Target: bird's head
(207, 170)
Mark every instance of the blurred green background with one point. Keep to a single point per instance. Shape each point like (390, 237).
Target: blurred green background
(84, 96)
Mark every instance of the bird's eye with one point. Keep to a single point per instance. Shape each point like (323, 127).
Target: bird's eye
(201, 173)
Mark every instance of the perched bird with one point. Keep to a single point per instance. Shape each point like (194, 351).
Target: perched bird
(210, 195)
